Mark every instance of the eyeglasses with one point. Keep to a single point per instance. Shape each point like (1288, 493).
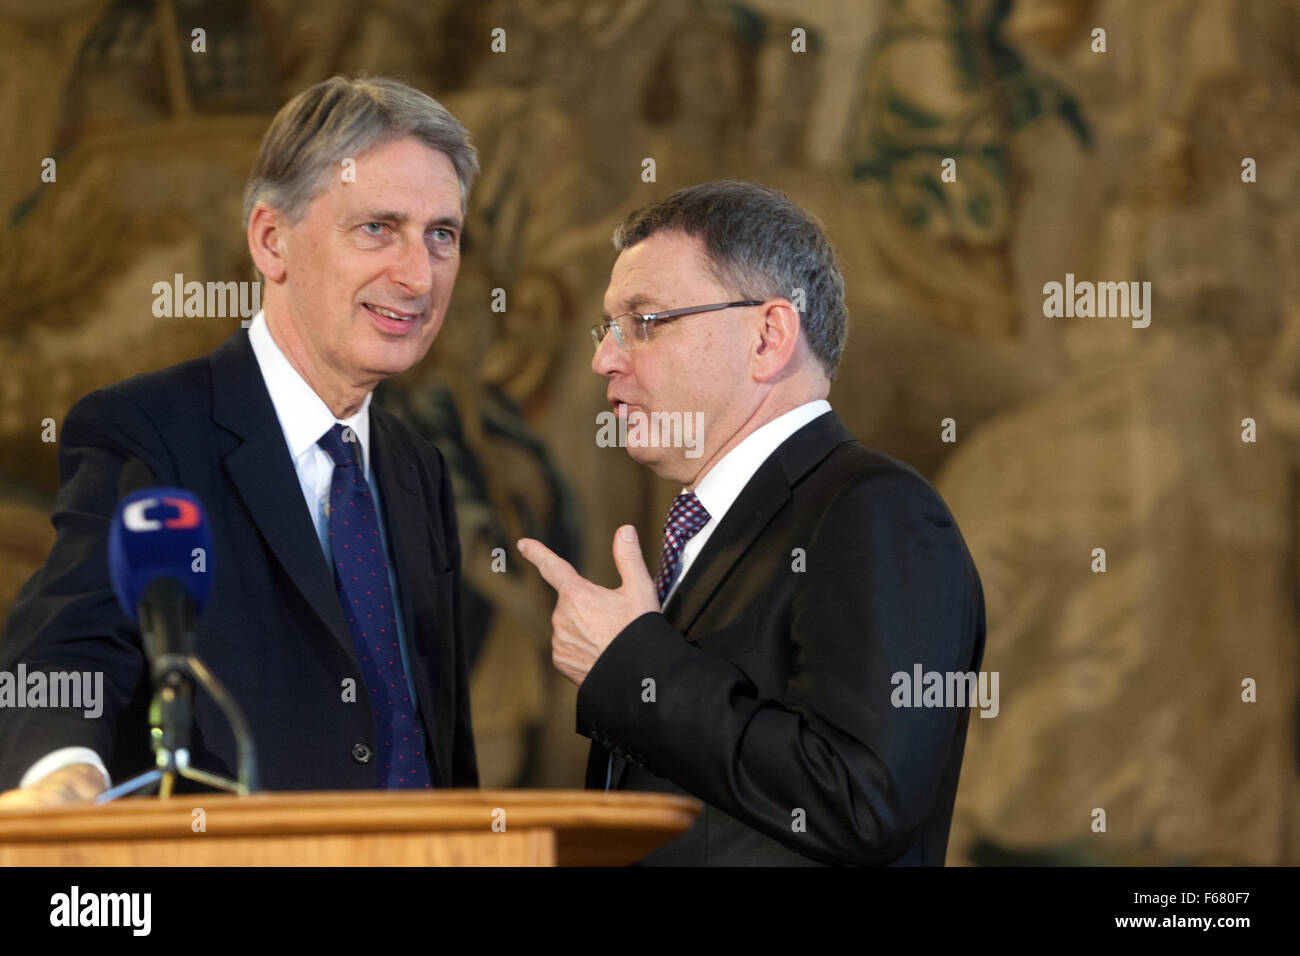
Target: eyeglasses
(632, 328)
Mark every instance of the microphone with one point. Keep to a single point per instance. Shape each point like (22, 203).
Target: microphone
(158, 552)
(159, 548)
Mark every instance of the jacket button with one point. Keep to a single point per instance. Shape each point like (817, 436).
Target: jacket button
(361, 753)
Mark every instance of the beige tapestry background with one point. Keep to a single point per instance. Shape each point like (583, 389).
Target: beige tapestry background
(1120, 690)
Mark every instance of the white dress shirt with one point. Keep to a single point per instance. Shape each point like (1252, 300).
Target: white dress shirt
(719, 489)
(304, 418)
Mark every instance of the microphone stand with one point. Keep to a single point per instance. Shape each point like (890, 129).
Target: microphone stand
(165, 610)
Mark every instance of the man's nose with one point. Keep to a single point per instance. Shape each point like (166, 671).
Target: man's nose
(609, 358)
(413, 270)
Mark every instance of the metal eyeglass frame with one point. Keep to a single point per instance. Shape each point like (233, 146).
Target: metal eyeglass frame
(598, 332)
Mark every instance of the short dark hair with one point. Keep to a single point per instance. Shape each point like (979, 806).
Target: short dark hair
(759, 245)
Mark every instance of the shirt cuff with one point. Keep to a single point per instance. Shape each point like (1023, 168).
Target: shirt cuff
(64, 757)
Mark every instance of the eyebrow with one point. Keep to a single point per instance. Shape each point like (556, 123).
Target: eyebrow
(635, 304)
(388, 215)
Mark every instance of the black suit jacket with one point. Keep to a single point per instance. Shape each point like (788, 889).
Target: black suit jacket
(273, 631)
(772, 685)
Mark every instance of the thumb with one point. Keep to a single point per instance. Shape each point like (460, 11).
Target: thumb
(631, 563)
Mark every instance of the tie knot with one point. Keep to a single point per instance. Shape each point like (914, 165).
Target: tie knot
(685, 517)
(343, 445)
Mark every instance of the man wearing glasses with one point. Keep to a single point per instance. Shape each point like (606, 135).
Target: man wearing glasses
(800, 572)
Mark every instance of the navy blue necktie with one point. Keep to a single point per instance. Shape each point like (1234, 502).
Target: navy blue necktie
(361, 576)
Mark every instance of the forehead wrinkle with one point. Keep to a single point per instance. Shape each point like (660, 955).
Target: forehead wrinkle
(382, 215)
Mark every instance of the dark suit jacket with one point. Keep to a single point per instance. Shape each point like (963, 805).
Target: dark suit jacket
(273, 630)
(772, 684)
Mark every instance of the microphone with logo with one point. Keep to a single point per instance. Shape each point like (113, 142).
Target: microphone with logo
(160, 561)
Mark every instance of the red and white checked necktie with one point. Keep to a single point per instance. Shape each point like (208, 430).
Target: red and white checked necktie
(686, 517)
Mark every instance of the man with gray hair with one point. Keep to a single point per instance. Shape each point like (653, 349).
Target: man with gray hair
(333, 615)
(800, 572)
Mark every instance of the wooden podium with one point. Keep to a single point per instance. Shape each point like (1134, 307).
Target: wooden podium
(350, 828)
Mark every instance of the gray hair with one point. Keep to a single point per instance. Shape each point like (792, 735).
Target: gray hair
(343, 117)
(759, 245)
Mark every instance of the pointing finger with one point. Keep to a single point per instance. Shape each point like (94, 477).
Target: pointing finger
(553, 568)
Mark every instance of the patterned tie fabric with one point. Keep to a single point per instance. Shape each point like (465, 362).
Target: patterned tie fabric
(686, 517)
(361, 575)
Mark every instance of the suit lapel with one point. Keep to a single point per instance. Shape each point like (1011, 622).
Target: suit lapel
(744, 521)
(762, 497)
(264, 475)
(758, 502)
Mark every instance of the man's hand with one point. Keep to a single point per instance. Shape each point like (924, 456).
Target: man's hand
(75, 783)
(588, 617)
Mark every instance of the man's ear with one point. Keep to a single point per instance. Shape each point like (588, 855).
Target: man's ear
(266, 241)
(778, 340)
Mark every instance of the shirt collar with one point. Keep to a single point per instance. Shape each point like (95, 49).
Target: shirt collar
(723, 484)
(304, 416)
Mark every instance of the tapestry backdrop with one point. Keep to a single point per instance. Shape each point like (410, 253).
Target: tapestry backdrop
(1068, 230)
